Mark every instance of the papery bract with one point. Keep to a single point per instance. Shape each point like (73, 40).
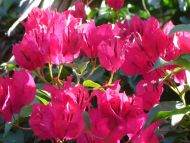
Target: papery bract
(143, 47)
(147, 135)
(110, 49)
(177, 42)
(16, 93)
(79, 11)
(150, 92)
(41, 121)
(24, 90)
(79, 95)
(27, 54)
(115, 4)
(63, 120)
(117, 112)
(90, 40)
(66, 107)
(68, 120)
(5, 99)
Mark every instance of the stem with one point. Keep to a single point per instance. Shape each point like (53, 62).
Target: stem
(94, 68)
(111, 78)
(40, 76)
(19, 127)
(116, 15)
(145, 8)
(174, 87)
(59, 70)
(92, 71)
(50, 70)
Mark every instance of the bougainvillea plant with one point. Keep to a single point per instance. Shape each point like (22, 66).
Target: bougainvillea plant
(53, 93)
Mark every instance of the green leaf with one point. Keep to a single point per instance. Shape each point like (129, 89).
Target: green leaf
(92, 84)
(17, 137)
(159, 63)
(179, 28)
(7, 129)
(83, 66)
(92, 14)
(164, 110)
(87, 120)
(169, 139)
(26, 111)
(43, 92)
(42, 100)
(7, 4)
(183, 60)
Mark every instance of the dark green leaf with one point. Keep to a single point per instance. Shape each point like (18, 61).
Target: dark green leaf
(170, 139)
(179, 28)
(26, 111)
(7, 129)
(165, 110)
(7, 4)
(17, 137)
(183, 60)
(159, 63)
(92, 13)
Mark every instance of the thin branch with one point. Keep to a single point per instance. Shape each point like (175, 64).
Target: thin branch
(145, 8)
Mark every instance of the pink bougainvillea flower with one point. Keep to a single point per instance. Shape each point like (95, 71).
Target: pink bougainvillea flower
(16, 93)
(150, 92)
(41, 121)
(5, 99)
(51, 37)
(79, 11)
(64, 119)
(117, 112)
(69, 121)
(38, 20)
(177, 42)
(137, 25)
(27, 53)
(122, 29)
(80, 96)
(76, 92)
(90, 39)
(143, 46)
(106, 134)
(147, 135)
(111, 52)
(115, 4)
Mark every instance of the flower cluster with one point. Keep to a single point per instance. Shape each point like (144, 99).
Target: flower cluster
(60, 38)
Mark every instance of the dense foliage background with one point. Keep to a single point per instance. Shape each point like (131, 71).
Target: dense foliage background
(12, 12)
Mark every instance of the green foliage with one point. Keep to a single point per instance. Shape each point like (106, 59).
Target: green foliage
(179, 28)
(183, 60)
(165, 110)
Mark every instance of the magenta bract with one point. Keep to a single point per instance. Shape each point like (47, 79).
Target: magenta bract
(115, 4)
(15, 93)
